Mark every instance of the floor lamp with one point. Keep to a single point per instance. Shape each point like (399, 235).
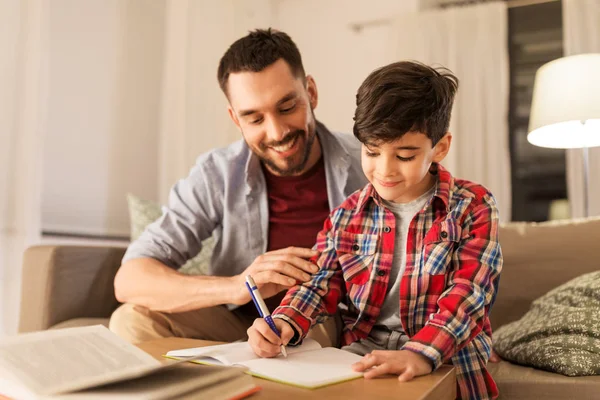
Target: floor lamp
(565, 108)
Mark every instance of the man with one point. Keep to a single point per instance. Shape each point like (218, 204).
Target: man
(263, 199)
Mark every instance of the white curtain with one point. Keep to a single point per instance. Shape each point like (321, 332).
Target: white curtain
(172, 157)
(581, 27)
(472, 42)
(23, 84)
(193, 109)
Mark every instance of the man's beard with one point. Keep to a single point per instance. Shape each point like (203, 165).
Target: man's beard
(309, 140)
(292, 169)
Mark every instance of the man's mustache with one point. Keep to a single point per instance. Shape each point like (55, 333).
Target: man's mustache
(288, 138)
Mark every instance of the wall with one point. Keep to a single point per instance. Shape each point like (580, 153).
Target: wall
(134, 97)
(199, 32)
(194, 116)
(133, 101)
(23, 31)
(104, 87)
(213, 27)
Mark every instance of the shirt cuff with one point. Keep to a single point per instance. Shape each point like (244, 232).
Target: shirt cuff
(433, 342)
(296, 319)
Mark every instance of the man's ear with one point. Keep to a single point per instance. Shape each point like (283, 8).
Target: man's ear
(233, 117)
(442, 148)
(313, 93)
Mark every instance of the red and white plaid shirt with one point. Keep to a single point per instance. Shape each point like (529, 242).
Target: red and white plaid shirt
(453, 264)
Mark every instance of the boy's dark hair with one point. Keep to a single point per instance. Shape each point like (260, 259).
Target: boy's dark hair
(256, 51)
(405, 96)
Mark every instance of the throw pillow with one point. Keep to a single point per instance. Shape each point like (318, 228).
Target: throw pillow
(561, 331)
(143, 212)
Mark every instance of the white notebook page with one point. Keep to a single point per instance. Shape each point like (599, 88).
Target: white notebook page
(236, 353)
(308, 369)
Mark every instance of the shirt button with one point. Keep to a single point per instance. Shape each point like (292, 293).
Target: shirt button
(444, 234)
(380, 272)
(355, 247)
(387, 229)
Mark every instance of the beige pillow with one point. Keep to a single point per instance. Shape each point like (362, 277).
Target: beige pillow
(539, 257)
(143, 212)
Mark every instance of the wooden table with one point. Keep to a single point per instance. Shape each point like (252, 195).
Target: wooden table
(440, 385)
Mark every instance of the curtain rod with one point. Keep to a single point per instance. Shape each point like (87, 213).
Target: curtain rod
(358, 26)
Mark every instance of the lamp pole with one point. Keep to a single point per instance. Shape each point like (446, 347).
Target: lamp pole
(586, 205)
(585, 152)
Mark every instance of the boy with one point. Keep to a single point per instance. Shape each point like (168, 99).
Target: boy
(413, 258)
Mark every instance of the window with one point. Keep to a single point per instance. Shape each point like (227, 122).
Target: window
(535, 37)
(538, 174)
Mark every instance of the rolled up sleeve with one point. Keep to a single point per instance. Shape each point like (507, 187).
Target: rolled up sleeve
(193, 211)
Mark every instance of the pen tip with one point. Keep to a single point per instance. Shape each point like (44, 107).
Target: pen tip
(283, 351)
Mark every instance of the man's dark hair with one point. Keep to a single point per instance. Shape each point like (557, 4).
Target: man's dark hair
(403, 97)
(256, 51)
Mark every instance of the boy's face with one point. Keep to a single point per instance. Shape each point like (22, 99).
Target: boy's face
(274, 111)
(399, 170)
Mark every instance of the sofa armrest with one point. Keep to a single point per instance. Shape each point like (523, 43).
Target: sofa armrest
(64, 282)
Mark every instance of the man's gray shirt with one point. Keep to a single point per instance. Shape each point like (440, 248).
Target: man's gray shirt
(225, 195)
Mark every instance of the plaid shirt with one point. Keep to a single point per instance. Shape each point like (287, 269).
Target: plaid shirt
(453, 264)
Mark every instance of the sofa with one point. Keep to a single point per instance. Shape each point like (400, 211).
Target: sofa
(67, 286)
(538, 258)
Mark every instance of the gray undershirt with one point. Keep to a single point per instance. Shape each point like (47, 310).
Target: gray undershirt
(389, 317)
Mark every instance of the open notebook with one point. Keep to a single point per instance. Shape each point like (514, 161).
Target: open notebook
(308, 366)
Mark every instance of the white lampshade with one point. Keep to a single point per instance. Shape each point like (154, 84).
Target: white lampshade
(565, 109)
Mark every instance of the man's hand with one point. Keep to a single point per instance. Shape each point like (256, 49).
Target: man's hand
(275, 271)
(405, 363)
(265, 342)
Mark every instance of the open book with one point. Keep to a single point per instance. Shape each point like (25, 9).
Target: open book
(92, 362)
(308, 365)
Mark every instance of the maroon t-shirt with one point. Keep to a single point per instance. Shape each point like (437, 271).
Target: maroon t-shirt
(298, 207)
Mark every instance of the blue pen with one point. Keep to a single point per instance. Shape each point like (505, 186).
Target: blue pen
(262, 308)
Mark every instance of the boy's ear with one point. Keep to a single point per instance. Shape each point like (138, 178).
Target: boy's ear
(442, 148)
(233, 117)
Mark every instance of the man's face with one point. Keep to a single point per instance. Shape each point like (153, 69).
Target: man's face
(274, 111)
(399, 170)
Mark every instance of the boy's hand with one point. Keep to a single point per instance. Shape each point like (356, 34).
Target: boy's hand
(406, 364)
(275, 271)
(265, 342)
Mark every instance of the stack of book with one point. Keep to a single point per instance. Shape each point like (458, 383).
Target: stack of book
(94, 363)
